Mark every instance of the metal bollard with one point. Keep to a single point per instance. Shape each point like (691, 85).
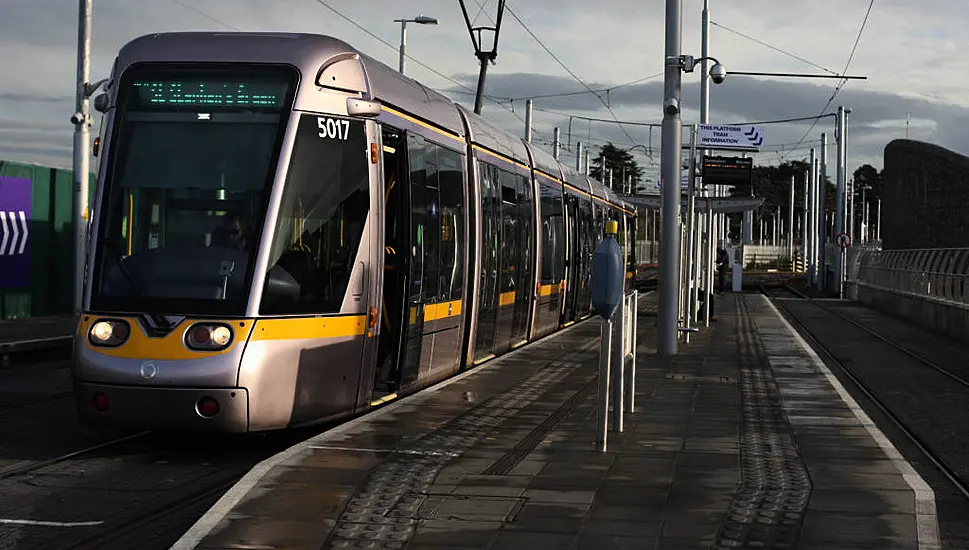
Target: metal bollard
(617, 360)
(630, 383)
(602, 417)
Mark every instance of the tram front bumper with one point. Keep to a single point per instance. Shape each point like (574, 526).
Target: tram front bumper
(168, 409)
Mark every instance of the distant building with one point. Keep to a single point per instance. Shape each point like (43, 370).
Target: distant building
(925, 200)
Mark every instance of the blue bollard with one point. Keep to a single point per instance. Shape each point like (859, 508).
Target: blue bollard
(608, 272)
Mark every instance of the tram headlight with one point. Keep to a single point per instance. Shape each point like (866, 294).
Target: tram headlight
(208, 337)
(109, 333)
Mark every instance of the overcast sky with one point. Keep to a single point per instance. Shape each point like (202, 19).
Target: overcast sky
(912, 52)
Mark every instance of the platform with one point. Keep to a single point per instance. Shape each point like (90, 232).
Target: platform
(743, 440)
(36, 332)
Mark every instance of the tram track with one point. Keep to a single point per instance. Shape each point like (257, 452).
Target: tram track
(957, 480)
(27, 469)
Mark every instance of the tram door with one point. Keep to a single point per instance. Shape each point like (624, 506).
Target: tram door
(490, 240)
(573, 261)
(402, 310)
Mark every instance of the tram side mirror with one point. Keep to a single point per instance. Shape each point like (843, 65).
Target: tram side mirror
(101, 103)
(280, 285)
(363, 107)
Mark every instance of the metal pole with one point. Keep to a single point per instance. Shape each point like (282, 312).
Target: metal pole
(602, 418)
(804, 220)
(878, 228)
(790, 220)
(692, 237)
(403, 44)
(578, 157)
(670, 168)
(815, 225)
(556, 142)
(851, 209)
(822, 218)
(839, 215)
(616, 375)
(82, 125)
(710, 262)
(630, 383)
(587, 161)
(479, 94)
(528, 120)
(812, 225)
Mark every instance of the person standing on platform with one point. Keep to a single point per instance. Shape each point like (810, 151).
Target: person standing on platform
(723, 266)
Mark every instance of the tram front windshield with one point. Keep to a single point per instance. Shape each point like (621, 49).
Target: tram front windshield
(192, 162)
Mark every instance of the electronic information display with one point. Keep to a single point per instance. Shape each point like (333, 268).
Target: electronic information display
(736, 171)
(210, 93)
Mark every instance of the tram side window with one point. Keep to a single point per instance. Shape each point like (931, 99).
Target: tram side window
(437, 206)
(511, 230)
(322, 213)
(432, 225)
(552, 234)
(525, 214)
(452, 224)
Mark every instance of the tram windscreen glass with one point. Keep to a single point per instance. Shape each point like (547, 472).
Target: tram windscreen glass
(190, 166)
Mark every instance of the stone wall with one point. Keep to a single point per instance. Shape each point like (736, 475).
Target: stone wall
(926, 197)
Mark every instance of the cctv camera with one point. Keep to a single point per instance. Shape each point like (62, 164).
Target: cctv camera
(77, 118)
(671, 107)
(718, 73)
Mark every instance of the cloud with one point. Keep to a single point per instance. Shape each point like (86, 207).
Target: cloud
(911, 52)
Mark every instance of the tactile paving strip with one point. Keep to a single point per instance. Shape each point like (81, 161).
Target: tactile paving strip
(769, 507)
(386, 510)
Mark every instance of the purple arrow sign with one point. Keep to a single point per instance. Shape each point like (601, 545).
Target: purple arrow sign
(15, 199)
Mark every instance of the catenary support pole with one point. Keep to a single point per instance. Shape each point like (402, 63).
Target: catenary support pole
(805, 242)
(672, 143)
(556, 142)
(790, 220)
(812, 226)
(822, 218)
(81, 164)
(839, 213)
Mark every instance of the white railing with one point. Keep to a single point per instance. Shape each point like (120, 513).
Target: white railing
(937, 274)
(617, 367)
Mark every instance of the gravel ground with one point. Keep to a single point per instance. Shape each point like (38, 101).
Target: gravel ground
(927, 402)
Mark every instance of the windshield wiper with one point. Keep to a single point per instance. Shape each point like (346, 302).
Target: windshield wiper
(134, 281)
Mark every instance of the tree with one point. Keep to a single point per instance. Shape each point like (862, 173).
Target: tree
(869, 175)
(773, 184)
(622, 164)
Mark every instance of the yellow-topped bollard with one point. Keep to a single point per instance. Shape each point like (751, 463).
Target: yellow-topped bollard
(612, 227)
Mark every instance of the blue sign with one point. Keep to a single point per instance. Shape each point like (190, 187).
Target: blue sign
(15, 199)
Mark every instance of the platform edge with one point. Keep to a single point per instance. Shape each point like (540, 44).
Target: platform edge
(204, 525)
(926, 518)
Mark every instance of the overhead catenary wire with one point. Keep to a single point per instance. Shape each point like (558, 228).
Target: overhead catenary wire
(205, 15)
(841, 84)
(775, 48)
(577, 79)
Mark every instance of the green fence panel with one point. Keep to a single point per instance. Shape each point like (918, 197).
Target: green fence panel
(50, 244)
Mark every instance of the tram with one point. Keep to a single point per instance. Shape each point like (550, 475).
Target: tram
(286, 231)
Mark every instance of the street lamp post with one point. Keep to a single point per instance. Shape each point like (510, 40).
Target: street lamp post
(420, 20)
